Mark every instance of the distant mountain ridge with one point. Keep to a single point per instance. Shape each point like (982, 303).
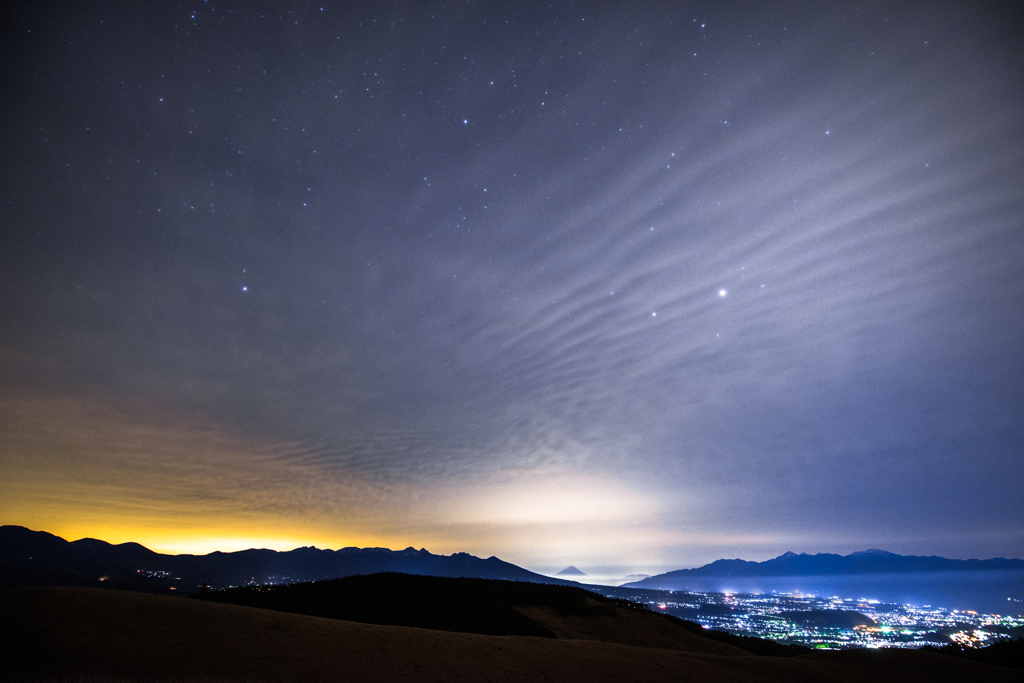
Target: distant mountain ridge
(826, 564)
(34, 558)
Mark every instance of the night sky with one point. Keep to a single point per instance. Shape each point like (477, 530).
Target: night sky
(624, 285)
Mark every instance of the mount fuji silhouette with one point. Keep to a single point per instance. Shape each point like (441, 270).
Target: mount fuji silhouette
(571, 571)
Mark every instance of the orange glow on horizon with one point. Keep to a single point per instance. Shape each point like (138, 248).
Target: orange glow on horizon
(178, 542)
(82, 467)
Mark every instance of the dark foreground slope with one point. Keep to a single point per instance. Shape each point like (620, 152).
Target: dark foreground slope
(95, 635)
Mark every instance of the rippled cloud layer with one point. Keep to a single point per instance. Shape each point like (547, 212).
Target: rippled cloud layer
(665, 283)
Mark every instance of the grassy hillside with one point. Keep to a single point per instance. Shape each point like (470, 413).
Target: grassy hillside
(83, 634)
(482, 606)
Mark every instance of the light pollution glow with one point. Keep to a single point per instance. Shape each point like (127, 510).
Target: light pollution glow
(189, 486)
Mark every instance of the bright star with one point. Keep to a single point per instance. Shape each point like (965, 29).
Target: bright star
(722, 292)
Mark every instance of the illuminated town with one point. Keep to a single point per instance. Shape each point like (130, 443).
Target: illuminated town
(831, 623)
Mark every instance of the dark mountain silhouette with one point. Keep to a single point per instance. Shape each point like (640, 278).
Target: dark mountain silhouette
(467, 605)
(37, 558)
(571, 571)
(825, 564)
